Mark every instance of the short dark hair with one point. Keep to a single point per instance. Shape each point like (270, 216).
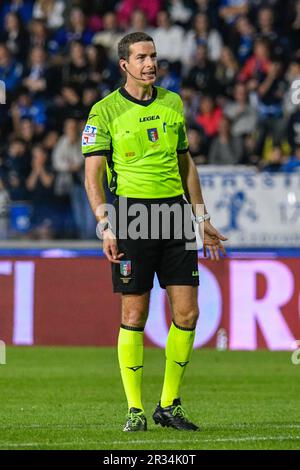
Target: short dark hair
(132, 38)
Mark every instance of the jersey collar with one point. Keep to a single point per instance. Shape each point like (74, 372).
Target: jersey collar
(126, 95)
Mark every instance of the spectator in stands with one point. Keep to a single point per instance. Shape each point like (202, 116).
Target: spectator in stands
(275, 161)
(27, 132)
(76, 69)
(180, 12)
(99, 7)
(67, 158)
(110, 36)
(230, 10)
(242, 115)
(40, 36)
(50, 140)
(168, 38)
(94, 19)
(167, 78)
(202, 75)
(202, 34)
(127, 7)
(26, 107)
(40, 186)
(11, 71)
(293, 129)
(71, 104)
(2, 166)
(226, 73)
(249, 155)
(294, 24)
(225, 148)
(66, 105)
(243, 39)
(265, 22)
(94, 55)
(101, 69)
(257, 66)
(292, 77)
(270, 112)
(210, 8)
(139, 22)
(266, 28)
(16, 169)
(68, 163)
(4, 207)
(2, 100)
(293, 163)
(15, 36)
(22, 7)
(191, 102)
(35, 79)
(75, 30)
(209, 117)
(257, 4)
(90, 95)
(51, 11)
(197, 145)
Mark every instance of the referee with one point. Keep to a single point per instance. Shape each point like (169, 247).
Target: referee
(137, 134)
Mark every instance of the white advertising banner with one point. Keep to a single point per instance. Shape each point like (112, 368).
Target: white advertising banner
(253, 209)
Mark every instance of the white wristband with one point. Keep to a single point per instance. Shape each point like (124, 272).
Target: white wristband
(201, 218)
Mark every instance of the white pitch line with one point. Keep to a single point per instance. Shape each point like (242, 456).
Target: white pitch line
(163, 441)
(225, 439)
(116, 427)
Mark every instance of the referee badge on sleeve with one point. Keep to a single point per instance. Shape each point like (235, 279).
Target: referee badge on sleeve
(125, 270)
(89, 135)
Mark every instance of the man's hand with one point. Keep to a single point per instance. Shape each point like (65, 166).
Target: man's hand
(213, 241)
(110, 247)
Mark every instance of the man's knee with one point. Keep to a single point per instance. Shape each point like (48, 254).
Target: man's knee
(135, 310)
(187, 318)
(134, 317)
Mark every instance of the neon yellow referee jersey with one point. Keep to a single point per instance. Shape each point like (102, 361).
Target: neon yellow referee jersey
(141, 140)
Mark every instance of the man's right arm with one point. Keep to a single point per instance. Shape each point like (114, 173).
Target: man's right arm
(94, 173)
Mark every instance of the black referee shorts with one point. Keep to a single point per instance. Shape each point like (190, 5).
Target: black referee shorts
(164, 244)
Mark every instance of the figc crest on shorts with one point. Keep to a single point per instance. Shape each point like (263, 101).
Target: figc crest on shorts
(125, 268)
(152, 134)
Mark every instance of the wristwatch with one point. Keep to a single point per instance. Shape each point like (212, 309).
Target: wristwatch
(101, 227)
(201, 218)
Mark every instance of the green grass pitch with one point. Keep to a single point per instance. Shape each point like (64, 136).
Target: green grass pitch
(72, 398)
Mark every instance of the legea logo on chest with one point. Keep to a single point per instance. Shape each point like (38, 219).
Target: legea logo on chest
(149, 118)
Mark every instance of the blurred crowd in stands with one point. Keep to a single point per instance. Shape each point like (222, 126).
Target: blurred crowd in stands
(234, 62)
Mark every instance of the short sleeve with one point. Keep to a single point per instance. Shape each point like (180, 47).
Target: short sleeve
(183, 145)
(96, 138)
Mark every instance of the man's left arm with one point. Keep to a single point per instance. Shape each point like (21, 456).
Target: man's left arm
(192, 189)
